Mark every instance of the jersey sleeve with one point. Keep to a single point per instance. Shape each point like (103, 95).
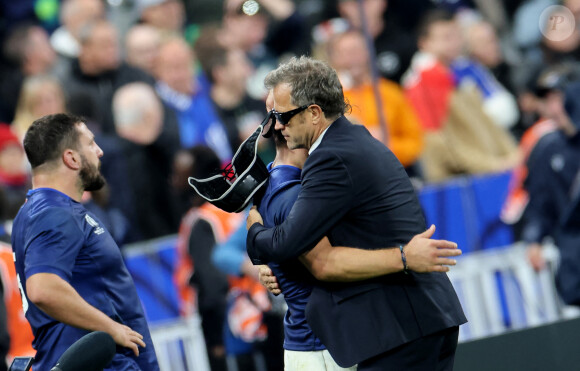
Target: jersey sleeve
(53, 242)
(283, 204)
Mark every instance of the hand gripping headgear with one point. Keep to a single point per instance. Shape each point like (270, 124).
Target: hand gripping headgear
(233, 189)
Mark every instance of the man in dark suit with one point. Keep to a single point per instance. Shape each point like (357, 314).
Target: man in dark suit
(355, 192)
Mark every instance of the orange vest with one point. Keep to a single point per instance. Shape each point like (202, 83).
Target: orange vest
(404, 135)
(20, 332)
(518, 197)
(222, 224)
(249, 297)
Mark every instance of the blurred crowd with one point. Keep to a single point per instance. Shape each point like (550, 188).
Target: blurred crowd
(452, 87)
(449, 86)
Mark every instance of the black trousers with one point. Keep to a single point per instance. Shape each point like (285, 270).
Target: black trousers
(435, 352)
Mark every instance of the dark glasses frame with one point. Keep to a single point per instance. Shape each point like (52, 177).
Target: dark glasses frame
(285, 117)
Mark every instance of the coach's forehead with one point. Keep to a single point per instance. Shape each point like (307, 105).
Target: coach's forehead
(282, 97)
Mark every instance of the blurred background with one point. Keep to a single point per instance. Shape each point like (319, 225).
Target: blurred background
(479, 100)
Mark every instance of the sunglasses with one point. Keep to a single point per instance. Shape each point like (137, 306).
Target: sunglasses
(285, 117)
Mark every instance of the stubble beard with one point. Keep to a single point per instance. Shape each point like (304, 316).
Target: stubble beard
(90, 176)
(296, 144)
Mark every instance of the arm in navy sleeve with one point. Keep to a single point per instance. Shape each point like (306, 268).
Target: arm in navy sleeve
(54, 243)
(540, 216)
(325, 197)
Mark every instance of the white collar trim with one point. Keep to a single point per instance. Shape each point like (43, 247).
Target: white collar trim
(317, 141)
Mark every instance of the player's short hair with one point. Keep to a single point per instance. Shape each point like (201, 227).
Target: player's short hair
(49, 136)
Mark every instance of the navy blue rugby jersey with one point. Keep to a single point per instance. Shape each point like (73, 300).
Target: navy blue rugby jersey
(294, 279)
(53, 233)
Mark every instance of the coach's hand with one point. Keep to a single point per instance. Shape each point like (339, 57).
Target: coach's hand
(427, 255)
(268, 279)
(126, 337)
(254, 217)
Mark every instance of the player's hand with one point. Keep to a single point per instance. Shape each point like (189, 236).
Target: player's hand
(536, 257)
(254, 217)
(268, 279)
(126, 337)
(427, 255)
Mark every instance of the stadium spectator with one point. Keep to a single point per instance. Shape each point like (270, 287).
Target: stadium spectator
(392, 119)
(483, 45)
(459, 137)
(18, 327)
(167, 16)
(98, 72)
(74, 15)
(275, 30)
(201, 285)
(188, 96)
(141, 47)
(228, 70)
(138, 115)
(546, 52)
(498, 102)
(26, 52)
(549, 92)
(552, 167)
(394, 45)
(40, 96)
(254, 331)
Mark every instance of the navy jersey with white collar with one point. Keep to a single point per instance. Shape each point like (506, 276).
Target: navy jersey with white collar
(294, 279)
(53, 233)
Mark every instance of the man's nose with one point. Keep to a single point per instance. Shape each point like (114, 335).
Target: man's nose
(279, 126)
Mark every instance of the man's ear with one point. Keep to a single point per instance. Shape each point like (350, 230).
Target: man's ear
(71, 159)
(316, 113)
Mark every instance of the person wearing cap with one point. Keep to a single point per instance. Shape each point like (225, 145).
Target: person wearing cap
(552, 163)
(548, 92)
(355, 192)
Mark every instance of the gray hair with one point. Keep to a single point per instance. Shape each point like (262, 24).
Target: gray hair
(132, 102)
(87, 31)
(311, 81)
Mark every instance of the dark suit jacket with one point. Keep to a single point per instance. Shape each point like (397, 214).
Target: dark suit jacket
(357, 193)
